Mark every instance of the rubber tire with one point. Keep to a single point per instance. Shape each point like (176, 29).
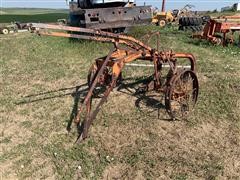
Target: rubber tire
(5, 31)
(185, 21)
(190, 21)
(180, 21)
(162, 23)
(181, 28)
(205, 19)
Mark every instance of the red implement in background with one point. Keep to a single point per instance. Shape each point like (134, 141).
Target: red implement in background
(221, 31)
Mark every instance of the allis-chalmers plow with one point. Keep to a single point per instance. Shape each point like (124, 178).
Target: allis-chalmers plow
(180, 86)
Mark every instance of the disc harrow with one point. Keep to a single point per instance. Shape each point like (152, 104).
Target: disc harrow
(180, 87)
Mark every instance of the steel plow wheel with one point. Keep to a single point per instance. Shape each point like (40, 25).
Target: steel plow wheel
(181, 94)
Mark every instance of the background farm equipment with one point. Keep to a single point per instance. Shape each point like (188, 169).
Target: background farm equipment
(180, 85)
(62, 21)
(114, 15)
(194, 24)
(187, 19)
(162, 18)
(14, 28)
(184, 12)
(190, 20)
(221, 31)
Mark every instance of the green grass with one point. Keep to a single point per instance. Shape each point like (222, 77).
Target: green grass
(31, 11)
(39, 80)
(49, 17)
(32, 15)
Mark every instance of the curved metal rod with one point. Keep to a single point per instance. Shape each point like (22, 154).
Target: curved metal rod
(89, 94)
(190, 57)
(93, 32)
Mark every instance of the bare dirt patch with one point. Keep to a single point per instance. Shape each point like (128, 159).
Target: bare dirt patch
(114, 171)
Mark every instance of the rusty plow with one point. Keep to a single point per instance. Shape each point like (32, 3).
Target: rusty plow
(180, 87)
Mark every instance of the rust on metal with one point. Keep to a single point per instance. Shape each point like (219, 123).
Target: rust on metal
(180, 88)
(220, 31)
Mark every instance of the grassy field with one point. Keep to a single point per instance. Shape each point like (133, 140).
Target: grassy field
(31, 11)
(8, 15)
(43, 79)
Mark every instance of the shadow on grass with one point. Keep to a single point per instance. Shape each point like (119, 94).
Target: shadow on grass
(52, 94)
(140, 93)
(79, 92)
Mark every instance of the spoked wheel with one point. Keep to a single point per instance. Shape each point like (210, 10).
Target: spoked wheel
(181, 95)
